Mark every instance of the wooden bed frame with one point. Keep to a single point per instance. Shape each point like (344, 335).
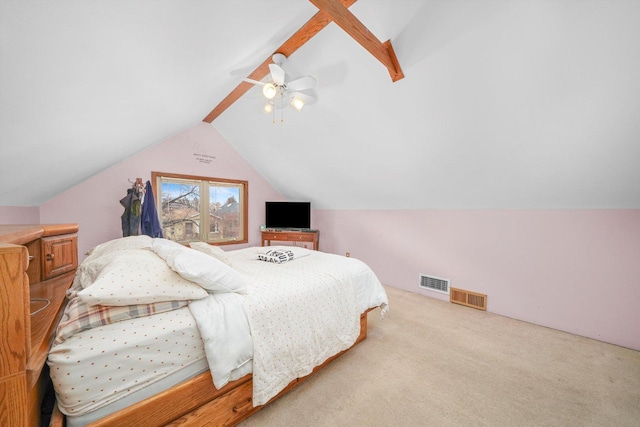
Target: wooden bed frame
(196, 402)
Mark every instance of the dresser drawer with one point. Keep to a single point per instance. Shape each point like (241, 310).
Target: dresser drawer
(274, 236)
(226, 410)
(300, 237)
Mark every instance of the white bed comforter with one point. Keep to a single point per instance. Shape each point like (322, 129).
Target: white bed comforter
(294, 317)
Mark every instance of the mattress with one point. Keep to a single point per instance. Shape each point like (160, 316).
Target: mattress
(173, 379)
(125, 362)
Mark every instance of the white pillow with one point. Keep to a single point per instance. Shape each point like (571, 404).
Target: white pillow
(205, 270)
(166, 243)
(131, 242)
(214, 251)
(133, 276)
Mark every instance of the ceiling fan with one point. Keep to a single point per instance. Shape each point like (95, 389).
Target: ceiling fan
(280, 92)
(329, 11)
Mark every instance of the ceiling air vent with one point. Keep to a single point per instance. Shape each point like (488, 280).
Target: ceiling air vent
(434, 284)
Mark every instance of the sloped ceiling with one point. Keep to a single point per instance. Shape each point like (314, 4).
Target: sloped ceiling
(504, 104)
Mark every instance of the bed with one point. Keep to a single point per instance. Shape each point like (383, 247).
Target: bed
(156, 333)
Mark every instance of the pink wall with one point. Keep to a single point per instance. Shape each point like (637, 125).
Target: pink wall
(200, 150)
(19, 215)
(572, 270)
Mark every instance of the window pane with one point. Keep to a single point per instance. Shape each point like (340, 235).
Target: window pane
(180, 212)
(225, 219)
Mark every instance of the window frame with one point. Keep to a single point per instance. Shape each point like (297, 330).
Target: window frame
(203, 235)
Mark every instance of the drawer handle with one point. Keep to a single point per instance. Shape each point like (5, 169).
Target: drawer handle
(242, 406)
(50, 257)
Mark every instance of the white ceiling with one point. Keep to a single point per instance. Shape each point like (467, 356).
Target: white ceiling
(505, 104)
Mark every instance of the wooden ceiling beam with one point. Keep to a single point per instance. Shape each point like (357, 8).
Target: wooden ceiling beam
(320, 20)
(346, 20)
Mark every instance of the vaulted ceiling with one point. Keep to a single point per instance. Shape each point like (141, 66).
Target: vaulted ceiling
(503, 104)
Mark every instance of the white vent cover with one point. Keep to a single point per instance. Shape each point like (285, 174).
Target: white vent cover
(432, 283)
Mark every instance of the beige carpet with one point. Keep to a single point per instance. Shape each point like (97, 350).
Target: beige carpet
(433, 363)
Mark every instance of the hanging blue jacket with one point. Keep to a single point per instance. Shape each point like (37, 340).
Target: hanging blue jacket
(150, 222)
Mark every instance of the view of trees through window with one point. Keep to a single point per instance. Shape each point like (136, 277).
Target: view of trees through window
(193, 208)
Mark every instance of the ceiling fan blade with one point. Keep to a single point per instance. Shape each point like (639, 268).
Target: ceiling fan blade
(277, 74)
(303, 83)
(255, 82)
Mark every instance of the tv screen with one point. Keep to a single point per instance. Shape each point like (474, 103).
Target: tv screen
(295, 215)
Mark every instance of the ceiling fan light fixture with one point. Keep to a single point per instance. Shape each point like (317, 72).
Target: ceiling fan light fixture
(269, 90)
(268, 108)
(297, 103)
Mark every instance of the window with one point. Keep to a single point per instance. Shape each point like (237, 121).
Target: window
(192, 208)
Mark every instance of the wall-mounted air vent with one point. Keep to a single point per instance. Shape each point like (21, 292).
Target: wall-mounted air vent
(468, 298)
(434, 283)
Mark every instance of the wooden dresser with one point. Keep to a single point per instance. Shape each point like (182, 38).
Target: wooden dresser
(37, 266)
(308, 236)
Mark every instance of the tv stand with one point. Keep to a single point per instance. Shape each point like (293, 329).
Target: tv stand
(307, 236)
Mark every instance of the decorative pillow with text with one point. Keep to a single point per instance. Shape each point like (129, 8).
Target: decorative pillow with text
(277, 256)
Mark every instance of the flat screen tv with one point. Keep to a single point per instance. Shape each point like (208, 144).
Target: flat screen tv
(290, 215)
